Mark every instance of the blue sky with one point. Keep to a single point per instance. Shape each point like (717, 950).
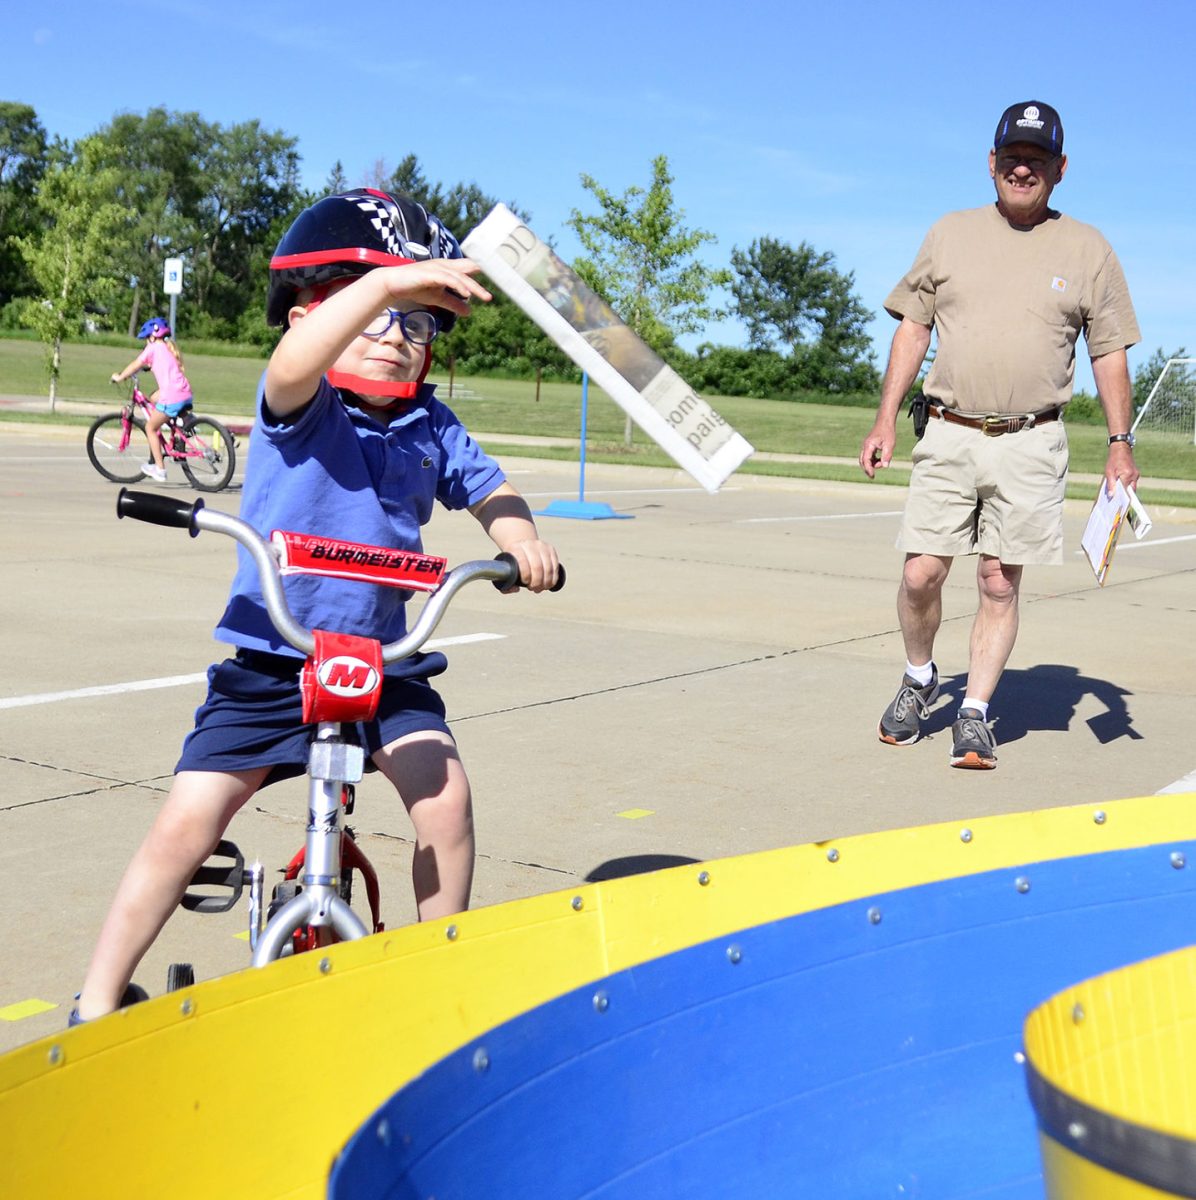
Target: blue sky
(850, 125)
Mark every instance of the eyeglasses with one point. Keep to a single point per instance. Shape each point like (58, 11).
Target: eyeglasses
(1037, 163)
(418, 326)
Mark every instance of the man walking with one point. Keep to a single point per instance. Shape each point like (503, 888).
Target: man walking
(1008, 289)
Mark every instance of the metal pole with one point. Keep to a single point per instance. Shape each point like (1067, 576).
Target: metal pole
(585, 393)
(174, 308)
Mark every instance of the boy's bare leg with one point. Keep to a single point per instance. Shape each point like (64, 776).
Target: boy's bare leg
(429, 777)
(920, 603)
(184, 833)
(994, 630)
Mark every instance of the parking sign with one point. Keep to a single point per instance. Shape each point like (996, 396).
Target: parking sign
(172, 276)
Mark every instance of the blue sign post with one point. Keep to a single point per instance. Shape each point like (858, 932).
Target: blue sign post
(582, 509)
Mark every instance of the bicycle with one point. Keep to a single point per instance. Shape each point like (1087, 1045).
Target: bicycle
(341, 683)
(118, 445)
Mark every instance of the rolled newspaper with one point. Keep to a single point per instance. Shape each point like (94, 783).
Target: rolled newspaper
(591, 333)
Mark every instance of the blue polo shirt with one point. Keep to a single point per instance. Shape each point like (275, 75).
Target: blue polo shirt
(340, 473)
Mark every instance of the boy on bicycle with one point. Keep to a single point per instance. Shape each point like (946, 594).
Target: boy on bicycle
(349, 443)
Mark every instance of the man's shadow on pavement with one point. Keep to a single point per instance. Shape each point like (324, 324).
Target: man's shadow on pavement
(1044, 697)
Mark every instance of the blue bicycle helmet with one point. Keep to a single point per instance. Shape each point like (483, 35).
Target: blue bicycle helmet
(154, 327)
(350, 233)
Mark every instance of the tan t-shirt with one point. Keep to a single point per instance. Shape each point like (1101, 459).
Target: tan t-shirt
(1008, 305)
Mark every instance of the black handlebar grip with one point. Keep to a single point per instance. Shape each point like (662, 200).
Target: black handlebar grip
(158, 510)
(512, 580)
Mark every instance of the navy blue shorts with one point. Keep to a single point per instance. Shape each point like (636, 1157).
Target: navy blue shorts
(253, 714)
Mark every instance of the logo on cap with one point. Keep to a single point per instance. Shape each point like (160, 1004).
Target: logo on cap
(1029, 119)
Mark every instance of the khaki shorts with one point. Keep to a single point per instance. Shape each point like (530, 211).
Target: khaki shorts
(1001, 496)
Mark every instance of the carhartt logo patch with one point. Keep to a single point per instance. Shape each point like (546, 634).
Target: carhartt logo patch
(1059, 285)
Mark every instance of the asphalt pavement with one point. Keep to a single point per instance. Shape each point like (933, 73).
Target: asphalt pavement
(708, 684)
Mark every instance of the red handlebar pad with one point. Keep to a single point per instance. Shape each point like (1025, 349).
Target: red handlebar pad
(309, 554)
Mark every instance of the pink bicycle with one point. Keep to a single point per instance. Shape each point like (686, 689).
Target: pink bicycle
(118, 445)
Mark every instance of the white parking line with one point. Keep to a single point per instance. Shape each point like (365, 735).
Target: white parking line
(824, 517)
(1186, 784)
(166, 681)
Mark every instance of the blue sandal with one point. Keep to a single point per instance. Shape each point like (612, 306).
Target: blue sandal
(133, 994)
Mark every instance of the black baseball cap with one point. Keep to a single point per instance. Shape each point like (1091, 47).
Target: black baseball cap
(1031, 121)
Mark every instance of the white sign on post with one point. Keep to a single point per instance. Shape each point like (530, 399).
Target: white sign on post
(172, 276)
(589, 331)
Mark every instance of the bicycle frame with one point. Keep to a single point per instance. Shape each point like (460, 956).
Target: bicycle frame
(333, 763)
(179, 443)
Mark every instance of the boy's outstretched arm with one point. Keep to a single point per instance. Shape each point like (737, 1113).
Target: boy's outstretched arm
(314, 340)
(506, 518)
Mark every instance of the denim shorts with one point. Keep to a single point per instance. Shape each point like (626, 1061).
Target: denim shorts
(253, 714)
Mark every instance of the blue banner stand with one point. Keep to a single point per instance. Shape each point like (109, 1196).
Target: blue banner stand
(582, 509)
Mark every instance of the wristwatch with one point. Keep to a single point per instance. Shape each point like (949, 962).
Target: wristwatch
(1128, 438)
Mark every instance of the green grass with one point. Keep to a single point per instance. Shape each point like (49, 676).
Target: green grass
(226, 385)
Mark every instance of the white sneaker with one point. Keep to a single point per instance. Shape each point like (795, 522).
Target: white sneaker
(154, 472)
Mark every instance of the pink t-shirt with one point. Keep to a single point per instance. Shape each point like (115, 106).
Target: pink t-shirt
(173, 387)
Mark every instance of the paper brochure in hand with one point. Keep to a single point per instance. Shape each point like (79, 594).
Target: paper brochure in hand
(1109, 514)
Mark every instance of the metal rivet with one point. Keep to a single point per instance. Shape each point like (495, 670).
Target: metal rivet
(1099, 817)
(965, 835)
(187, 1007)
(325, 966)
(451, 933)
(874, 916)
(832, 855)
(577, 902)
(1019, 1057)
(481, 1060)
(383, 1131)
(1022, 884)
(601, 1002)
(1077, 1131)
(703, 878)
(55, 1055)
(1178, 860)
(734, 955)
(1077, 1012)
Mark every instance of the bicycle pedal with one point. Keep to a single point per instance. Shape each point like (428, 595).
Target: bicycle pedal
(225, 873)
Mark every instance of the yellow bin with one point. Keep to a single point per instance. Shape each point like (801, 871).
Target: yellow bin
(1111, 1068)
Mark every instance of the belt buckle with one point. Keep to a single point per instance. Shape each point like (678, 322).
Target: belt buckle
(989, 425)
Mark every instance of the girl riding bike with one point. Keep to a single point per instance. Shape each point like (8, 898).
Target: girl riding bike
(173, 394)
(349, 443)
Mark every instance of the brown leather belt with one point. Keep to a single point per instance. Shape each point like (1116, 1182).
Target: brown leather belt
(995, 424)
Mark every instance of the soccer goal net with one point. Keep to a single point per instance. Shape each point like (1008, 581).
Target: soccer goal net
(1171, 405)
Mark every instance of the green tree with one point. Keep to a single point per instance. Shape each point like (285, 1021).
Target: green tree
(203, 192)
(640, 258)
(1148, 373)
(22, 163)
(70, 261)
(795, 300)
(250, 179)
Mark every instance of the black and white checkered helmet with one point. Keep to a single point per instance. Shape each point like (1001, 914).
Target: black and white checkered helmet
(349, 234)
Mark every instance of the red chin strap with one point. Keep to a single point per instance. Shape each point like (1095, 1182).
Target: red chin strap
(371, 387)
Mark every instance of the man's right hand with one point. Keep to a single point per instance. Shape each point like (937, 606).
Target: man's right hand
(878, 447)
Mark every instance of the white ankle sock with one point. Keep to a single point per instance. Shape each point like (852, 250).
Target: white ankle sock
(981, 706)
(920, 675)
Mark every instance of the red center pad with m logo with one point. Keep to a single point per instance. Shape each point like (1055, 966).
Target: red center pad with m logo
(309, 554)
(342, 678)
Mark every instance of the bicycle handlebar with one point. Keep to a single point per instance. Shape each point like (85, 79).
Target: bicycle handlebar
(503, 570)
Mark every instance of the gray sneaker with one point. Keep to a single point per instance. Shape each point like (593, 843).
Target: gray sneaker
(974, 746)
(901, 724)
